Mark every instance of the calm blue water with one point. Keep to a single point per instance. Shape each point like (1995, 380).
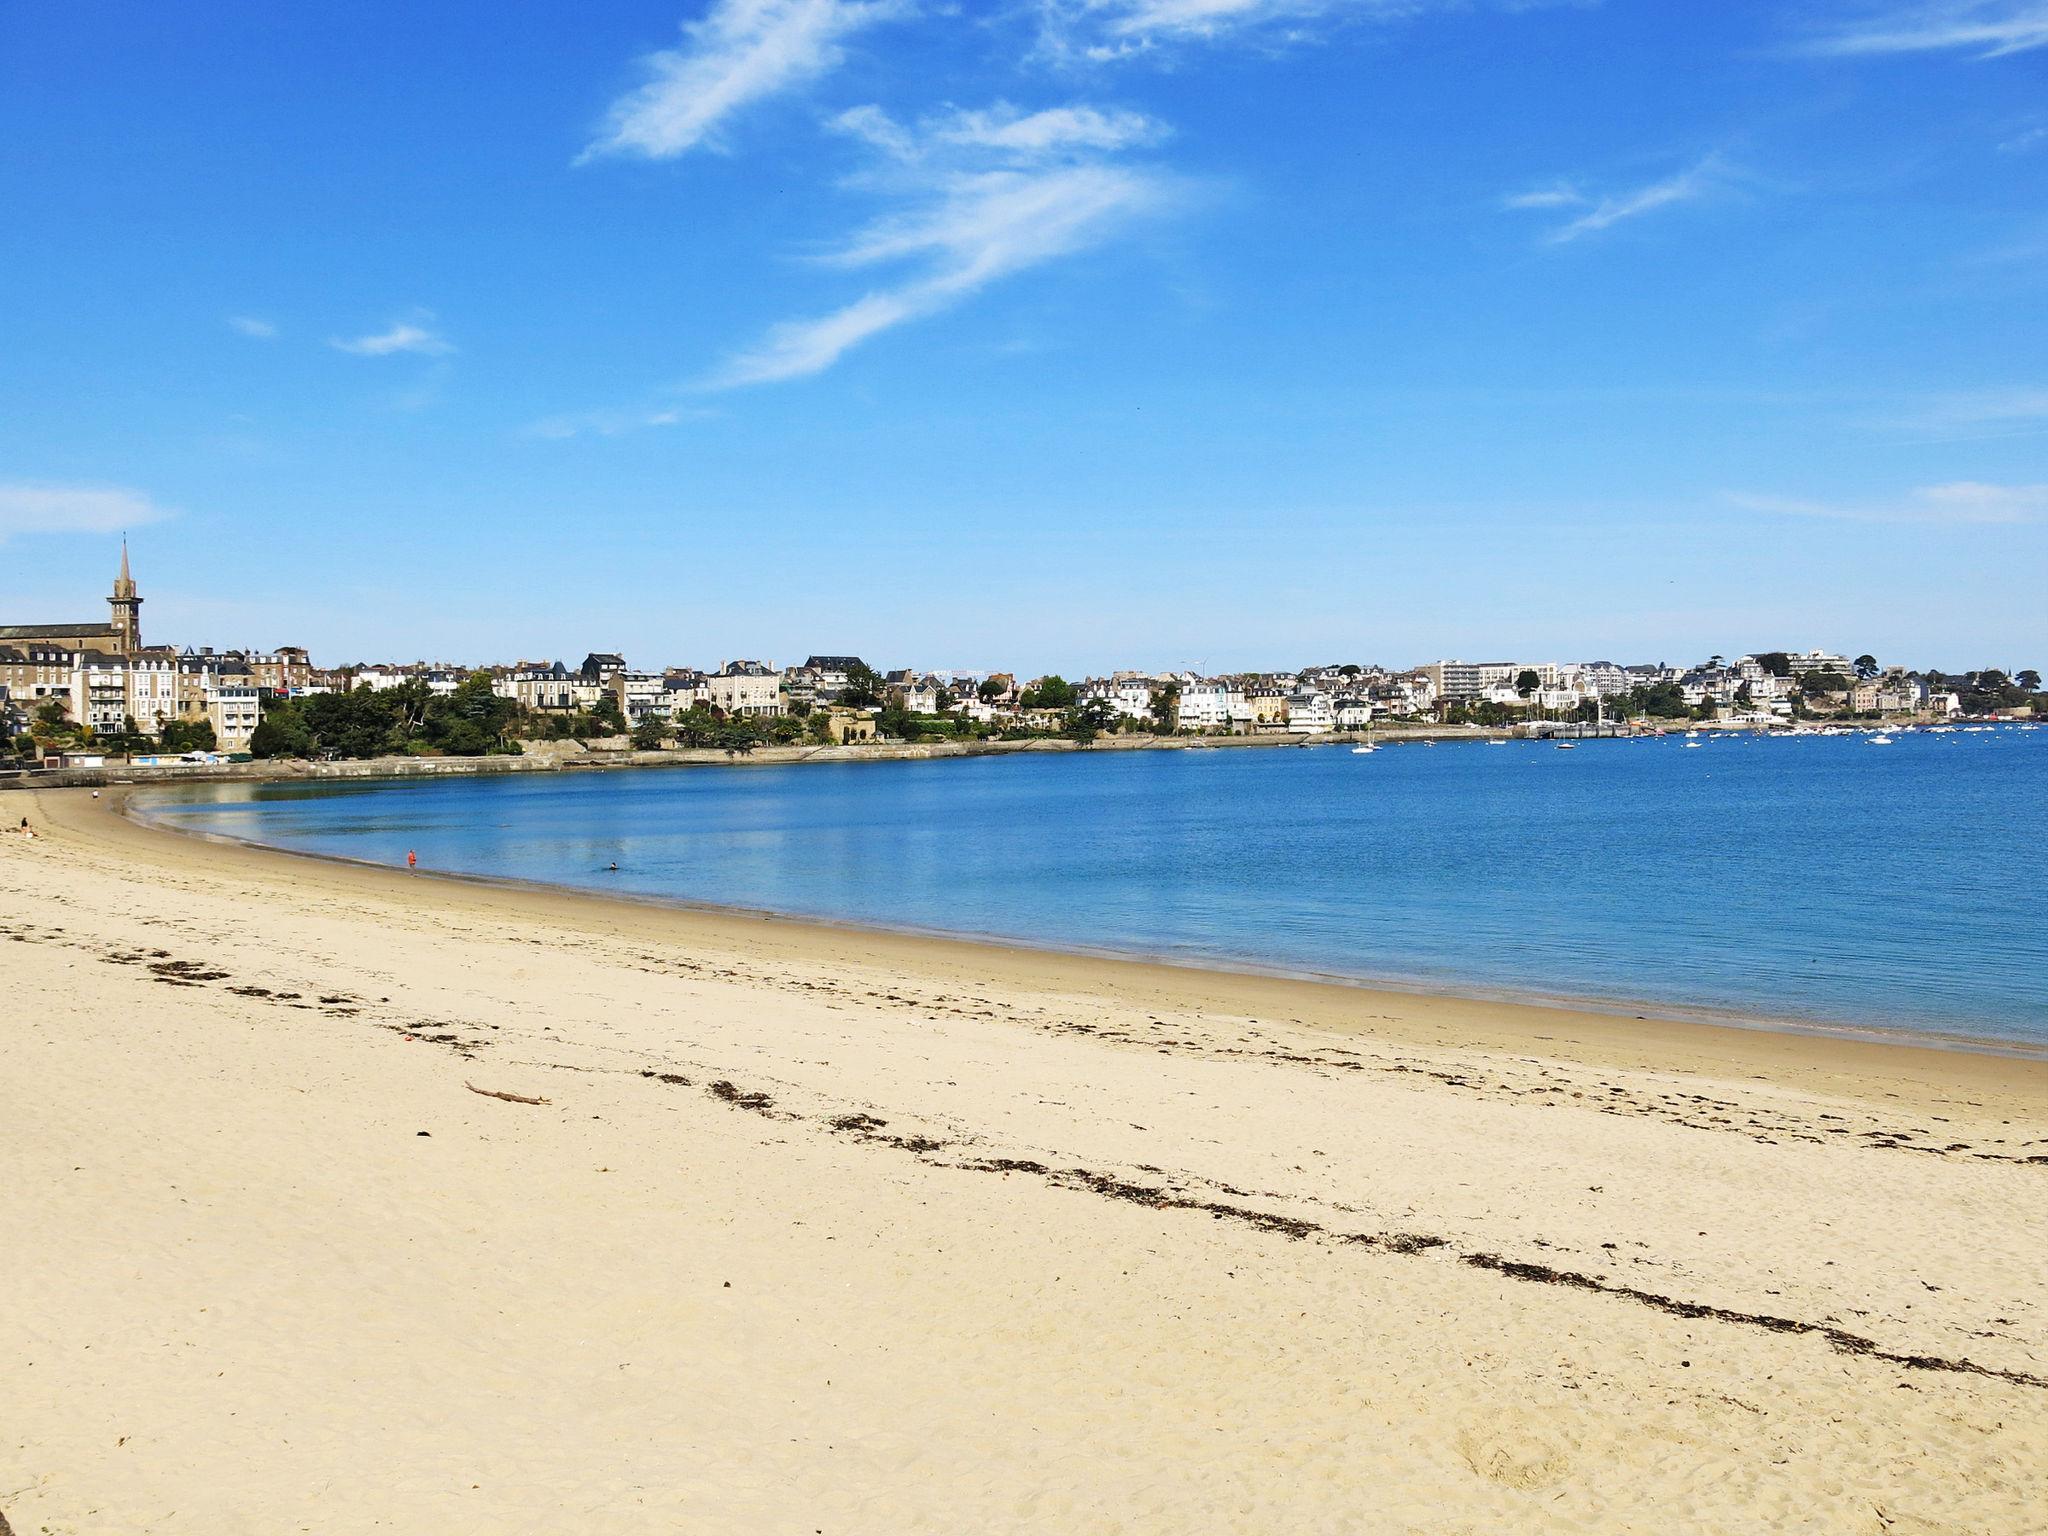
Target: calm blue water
(1814, 879)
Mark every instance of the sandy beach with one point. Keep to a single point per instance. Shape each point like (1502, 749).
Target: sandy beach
(342, 1200)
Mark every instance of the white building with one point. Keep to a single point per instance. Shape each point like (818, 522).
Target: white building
(751, 688)
(1205, 704)
(234, 709)
(1311, 714)
(640, 694)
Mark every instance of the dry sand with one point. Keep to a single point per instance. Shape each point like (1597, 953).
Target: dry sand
(829, 1231)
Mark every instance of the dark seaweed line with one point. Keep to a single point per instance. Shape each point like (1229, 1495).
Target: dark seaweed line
(871, 1130)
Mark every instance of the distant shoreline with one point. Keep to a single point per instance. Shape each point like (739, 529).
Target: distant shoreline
(575, 755)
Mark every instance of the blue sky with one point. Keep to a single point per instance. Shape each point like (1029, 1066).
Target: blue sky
(1053, 333)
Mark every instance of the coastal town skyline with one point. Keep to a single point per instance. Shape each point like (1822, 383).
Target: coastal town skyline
(97, 681)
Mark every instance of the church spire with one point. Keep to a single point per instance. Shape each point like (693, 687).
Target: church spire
(127, 607)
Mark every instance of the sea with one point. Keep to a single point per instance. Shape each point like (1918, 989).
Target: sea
(1824, 882)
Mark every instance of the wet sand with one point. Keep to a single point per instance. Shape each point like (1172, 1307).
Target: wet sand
(825, 1229)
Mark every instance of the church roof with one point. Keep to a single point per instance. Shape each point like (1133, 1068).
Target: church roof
(51, 631)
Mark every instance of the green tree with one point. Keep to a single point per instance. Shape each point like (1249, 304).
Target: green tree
(2029, 680)
(1777, 663)
(1084, 722)
(282, 732)
(649, 733)
(899, 723)
(988, 690)
(187, 736)
(1166, 709)
(863, 688)
(1050, 692)
(697, 727)
(470, 722)
(1866, 667)
(1527, 682)
(607, 717)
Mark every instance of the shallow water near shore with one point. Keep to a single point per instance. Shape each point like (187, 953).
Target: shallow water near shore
(1815, 879)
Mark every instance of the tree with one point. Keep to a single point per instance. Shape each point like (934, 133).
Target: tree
(1866, 667)
(988, 690)
(863, 688)
(900, 723)
(1527, 682)
(2029, 680)
(1777, 663)
(606, 715)
(187, 736)
(947, 699)
(1165, 704)
(281, 733)
(1087, 721)
(1050, 692)
(697, 727)
(649, 733)
(1744, 699)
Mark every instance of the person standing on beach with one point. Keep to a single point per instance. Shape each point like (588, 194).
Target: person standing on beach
(412, 859)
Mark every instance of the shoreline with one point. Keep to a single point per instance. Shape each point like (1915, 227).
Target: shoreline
(1406, 989)
(1634, 1036)
(571, 756)
(354, 1198)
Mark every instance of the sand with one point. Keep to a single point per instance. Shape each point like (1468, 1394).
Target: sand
(818, 1230)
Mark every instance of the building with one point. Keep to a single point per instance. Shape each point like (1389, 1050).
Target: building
(747, 688)
(1205, 704)
(641, 694)
(1311, 713)
(121, 635)
(1352, 714)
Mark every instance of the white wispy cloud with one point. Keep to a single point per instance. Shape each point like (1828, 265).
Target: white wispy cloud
(1958, 503)
(400, 336)
(743, 51)
(1975, 415)
(33, 507)
(983, 195)
(254, 327)
(1103, 28)
(1605, 211)
(1099, 31)
(1559, 196)
(1986, 28)
(614, 423)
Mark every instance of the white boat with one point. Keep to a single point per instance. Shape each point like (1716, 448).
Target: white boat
(1501, 741)
(1694, 746)
(1566, 746)
(1361, 751)
(1880, 740)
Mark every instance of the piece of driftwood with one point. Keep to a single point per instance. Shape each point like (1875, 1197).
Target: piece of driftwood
(509, 1098)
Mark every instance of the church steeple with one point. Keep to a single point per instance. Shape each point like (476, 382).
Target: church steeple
(126, 606)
